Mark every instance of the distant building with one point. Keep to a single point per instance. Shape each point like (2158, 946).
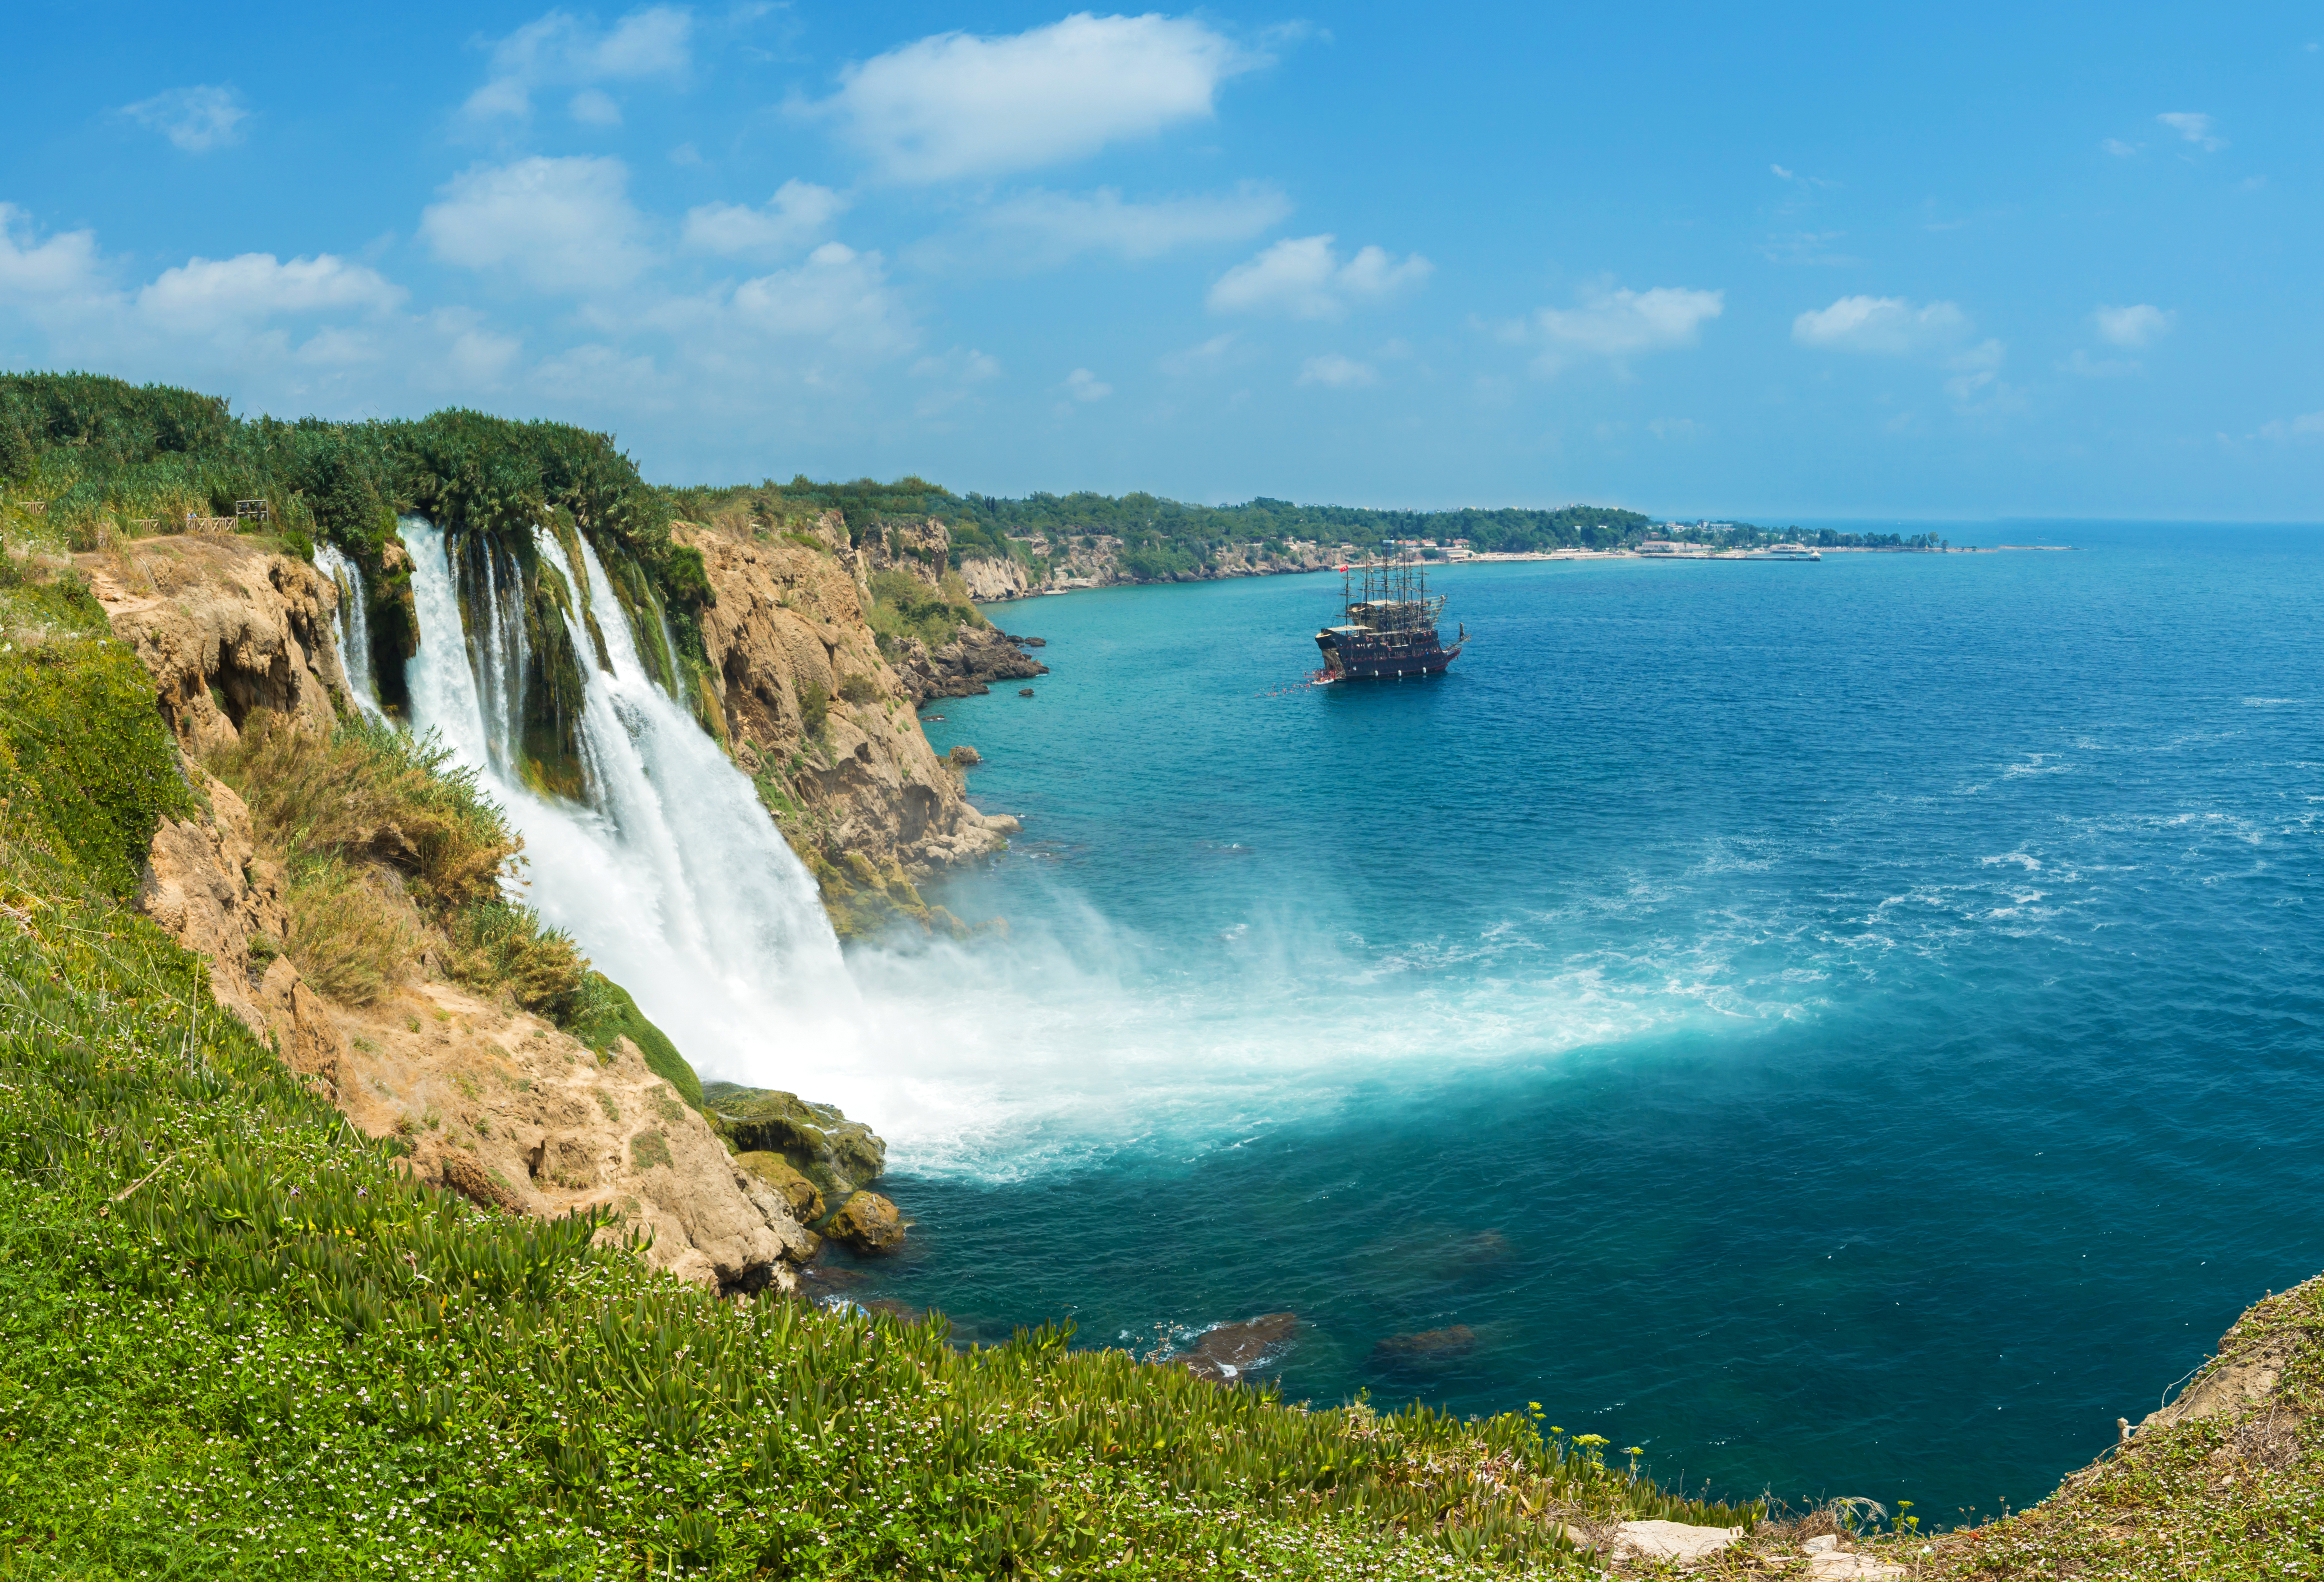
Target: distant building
(1660, 546)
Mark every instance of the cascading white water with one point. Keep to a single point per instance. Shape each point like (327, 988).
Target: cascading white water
(671, 875)
(351, 627)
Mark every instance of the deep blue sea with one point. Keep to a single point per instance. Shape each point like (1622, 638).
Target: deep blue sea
(1851, 1028)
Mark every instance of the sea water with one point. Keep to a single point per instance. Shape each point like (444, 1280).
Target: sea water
(1849, 1028)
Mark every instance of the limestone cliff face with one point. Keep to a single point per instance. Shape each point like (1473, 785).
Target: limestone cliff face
(789, 633)
(989, 577)
(1096, 561)
(208, 888)
(226, 626)
(488, 1101)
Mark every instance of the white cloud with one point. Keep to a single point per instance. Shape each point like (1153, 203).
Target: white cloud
(2082, 366)
(1084, 385)
(2304, 429)
(558, 224)
(1623, 322)
(966, 365)
(836, 295)
(952, 381)
(204, 296)
(198, 120)
(476, 355)
(2118, 148)
(1334, 372)
(2194, 128)
(1882, 326)
(593, 107)
(64, 265)
(1051, 228)
(1209, 357)
(796, 216)
(1304, 279)
(2139, 325)
(561, 50)
(958, 104)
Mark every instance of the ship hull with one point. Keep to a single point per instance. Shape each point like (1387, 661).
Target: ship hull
(1347, 660)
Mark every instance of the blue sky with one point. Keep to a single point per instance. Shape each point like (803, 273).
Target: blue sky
(1774, 261)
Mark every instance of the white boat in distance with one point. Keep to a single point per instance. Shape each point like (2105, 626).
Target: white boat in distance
(1784, 552)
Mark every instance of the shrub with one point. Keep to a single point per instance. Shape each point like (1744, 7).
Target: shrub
(859, 689)
(904, 607)
(501, 945)
(87, 753)
(17, 457)
(368, 794)
(814, 708)
(350, 941)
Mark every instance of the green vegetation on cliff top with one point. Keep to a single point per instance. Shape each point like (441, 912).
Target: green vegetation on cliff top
(106, 456)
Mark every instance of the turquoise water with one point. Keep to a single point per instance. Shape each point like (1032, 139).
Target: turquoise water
(1849, 1028)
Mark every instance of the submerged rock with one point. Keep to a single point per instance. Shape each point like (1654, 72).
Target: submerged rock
(838, 1155)
(1426, 1345)
(868, 1223)
(1227, 1353)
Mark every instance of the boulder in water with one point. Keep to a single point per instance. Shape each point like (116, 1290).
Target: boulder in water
(868, 1223)
(1227, 1354)
(840, 1156)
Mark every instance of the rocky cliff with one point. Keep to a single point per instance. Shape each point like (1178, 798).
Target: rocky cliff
(487, 1100)
(1063, 562)
(226, 626)
(823, 720)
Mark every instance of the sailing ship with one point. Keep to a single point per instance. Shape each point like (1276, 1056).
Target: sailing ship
(1389, 628)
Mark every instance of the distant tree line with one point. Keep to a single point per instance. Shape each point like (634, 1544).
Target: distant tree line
(1745, 534)
(1161, 536)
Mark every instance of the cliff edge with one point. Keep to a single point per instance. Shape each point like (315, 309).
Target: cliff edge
(823, 720)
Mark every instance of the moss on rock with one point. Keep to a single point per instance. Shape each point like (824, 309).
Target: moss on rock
(614, 1015)
(838, 1155)
(804, 1199)
(868, 1223)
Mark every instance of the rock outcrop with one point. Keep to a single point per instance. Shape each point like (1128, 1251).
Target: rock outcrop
(508, 1110)
(489, 1102)
(967, 665)
(837, 1156)
(226, 626)
(787, 640)
(989, 577)
(208, 888)
(868, 1223)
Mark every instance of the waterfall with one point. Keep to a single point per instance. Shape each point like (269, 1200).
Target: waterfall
(669, 872)
(351, 628)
